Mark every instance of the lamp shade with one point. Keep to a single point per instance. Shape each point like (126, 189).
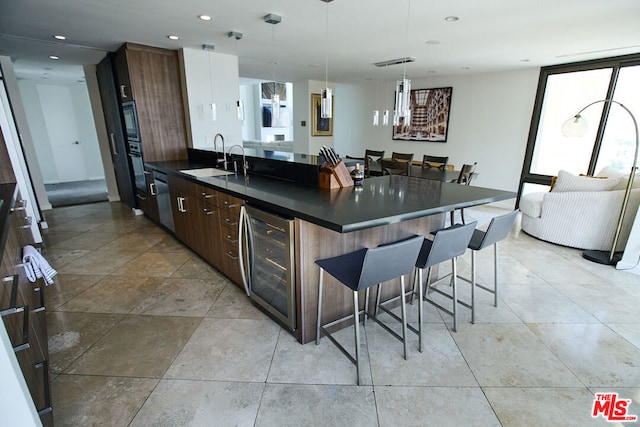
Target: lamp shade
(575, 127)
(326, 110)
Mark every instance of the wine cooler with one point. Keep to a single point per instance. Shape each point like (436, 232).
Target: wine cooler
(267, 262)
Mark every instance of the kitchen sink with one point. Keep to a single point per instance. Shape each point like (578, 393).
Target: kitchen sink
(205, 172)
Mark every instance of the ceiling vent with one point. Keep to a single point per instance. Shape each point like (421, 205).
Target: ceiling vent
(272, 18)
(395, 61)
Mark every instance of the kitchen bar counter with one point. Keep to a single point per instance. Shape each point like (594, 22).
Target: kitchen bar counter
(333, 222)
(380, 201)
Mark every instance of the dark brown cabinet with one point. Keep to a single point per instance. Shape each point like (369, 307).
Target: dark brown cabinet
(151, 77)
(206, 220)
(117, 142)
(23, 313)
(148, 202)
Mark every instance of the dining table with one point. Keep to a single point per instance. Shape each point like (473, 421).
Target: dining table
(418, 171)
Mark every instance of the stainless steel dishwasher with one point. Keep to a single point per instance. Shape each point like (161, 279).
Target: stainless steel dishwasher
(164, 200)
(266, 243)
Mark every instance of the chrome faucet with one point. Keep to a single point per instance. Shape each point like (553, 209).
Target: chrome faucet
(215, 147)
(245, 165)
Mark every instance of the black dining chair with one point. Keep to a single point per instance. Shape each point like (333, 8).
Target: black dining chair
(406, 157)
(396, 167)
(467, 173)
(373, 162)
(439, 162)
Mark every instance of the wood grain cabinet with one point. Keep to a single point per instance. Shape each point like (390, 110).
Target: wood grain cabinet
(148, 202)
(23, 313)
(151, 77)
(206, 220)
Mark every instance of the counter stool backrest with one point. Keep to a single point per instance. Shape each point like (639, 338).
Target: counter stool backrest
(498, 229)
(467, 173)
(389, 261)
(447, 243)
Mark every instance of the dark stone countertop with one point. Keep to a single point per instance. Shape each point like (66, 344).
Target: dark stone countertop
(380, 201)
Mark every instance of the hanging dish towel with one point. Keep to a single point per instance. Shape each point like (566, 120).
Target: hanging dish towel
(36, 266)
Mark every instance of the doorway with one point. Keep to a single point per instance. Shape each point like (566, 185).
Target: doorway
(65, 140)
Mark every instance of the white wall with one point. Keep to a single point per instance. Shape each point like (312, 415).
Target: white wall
(211, 77)
(489, 122)
(87, 130)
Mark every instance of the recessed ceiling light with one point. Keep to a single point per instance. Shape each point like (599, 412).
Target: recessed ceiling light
(465, 68)
(205, 17)
(431, 71)
(172, 37)
(451, 18)
(432, 42)
(525, 60)
(54, 57)
(59, 37)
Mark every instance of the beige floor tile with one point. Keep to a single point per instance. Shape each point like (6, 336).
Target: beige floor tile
(98, 262)
(596, 354)
(138, 346)
(433, 406)
(153, 264)
(227, 350)
(168, 244)
(61, 257)
(181, 297)
(201, 403)
(629, 331)
(607, 304)
(66, 287)
(91, 240)
(51, 238)
(113, 294)
(534, 407)
(71, 334)
(511, 356)
(543, 304)
(318, 364)
(133, 242)
(441, 363)
(235, 304)
(196, 268)
(98, 401)
(317, 405)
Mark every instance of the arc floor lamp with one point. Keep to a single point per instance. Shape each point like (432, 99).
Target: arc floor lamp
(577, 126)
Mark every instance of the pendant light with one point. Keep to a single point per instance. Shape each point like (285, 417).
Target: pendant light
(402, 114)
(274, 19)
(239, 104)
(326, 110)
(214, 113)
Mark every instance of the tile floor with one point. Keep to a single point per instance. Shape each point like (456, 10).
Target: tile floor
(143, 332)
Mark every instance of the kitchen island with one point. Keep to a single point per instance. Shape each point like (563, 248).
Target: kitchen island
(334, 222)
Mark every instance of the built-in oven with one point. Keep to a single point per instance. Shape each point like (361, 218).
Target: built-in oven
(137, 166)
(130, 118)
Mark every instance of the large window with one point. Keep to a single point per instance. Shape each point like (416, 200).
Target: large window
(562, 92)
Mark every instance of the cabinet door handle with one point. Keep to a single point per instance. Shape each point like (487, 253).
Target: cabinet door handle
(20, 205)
(181, 207)
(27, 222)
(14, 295)
(25, 329)
(40, 292)
(123, 91)
(208, 212)
(114, 150)
(44, 365)
(152, 188)
(141, 197)
(207, 196)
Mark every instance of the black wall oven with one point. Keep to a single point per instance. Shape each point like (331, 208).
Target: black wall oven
(137, 166)
(130, 119)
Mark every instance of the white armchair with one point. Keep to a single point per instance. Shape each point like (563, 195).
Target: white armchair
(580, 212)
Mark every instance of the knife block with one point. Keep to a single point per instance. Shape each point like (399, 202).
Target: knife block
(334, 176)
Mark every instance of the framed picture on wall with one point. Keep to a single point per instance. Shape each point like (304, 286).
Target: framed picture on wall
(429, 116)
(320, 126)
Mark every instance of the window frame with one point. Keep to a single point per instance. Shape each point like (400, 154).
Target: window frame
(615, 63)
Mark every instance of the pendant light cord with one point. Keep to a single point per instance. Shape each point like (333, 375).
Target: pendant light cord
(326, 54)
(273, 39)
(404, 73)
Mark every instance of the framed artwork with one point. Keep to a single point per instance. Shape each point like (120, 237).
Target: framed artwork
(429, 116)
(269, 88)
(320, 126)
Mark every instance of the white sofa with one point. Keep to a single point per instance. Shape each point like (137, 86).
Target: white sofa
(581, 212)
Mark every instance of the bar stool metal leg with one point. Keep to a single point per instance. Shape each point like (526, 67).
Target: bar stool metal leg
(356, 324)
(319, 321)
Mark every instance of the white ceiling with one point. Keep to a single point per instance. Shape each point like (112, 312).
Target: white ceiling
(490, 35)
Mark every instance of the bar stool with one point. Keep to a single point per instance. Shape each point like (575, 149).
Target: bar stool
(447, 244)
(498, 229)
(360, 270)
